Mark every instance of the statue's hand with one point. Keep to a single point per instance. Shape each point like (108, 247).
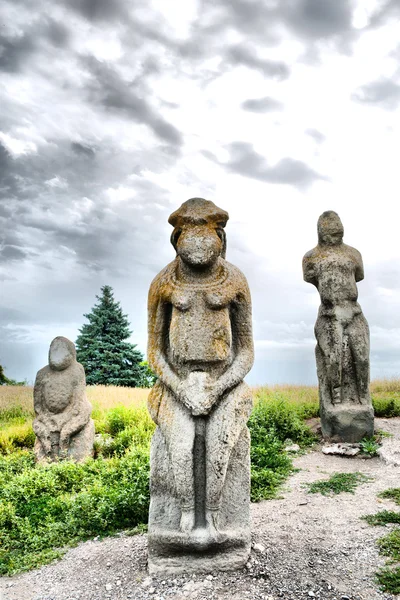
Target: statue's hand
(196, 392)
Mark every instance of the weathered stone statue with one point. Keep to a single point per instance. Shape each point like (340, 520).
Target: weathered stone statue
(201, 347)
(62, 424)
(342, 333)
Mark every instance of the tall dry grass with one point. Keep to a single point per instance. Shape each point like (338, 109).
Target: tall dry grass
(16, 395)
(104, 397)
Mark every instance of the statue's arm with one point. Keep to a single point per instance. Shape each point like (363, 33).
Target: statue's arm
(40, 425)
(243, 343)
(309, 274)
(77, 415)
(158, 310)
(359, 273)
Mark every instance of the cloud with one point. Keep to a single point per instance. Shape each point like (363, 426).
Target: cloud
(387, 10)
(11, 253)
(318, 19)
(383, 92)
(262, 105)
(117, 95)
(312, 21)
(18, 46)
(99, 10)
(81, 149)
(14, 50)
(245, 161)
(244, 55)
(316, 135)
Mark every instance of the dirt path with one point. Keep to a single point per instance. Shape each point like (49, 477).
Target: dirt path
(312, 546)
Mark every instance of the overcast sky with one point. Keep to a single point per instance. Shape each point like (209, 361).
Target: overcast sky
(114, 112)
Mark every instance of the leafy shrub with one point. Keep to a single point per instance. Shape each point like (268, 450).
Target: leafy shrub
(386, 407)
(283, 417)
(50, 506)
(16, 436)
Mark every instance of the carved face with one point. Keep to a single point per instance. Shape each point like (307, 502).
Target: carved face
(199, 245)
(61, 354)
(330, 230)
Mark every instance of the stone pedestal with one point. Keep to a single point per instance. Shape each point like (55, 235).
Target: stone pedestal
(172, 551)
(347, 423)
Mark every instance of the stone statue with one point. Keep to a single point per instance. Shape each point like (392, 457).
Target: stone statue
(342, 334)
(62, 423)
(201, 347)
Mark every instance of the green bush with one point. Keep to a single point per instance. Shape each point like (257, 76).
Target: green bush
(19, 435)
(386, 407)
(50, 506)
(284, 417)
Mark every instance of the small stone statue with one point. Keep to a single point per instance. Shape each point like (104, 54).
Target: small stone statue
(62, 424)
(342, 334)
(200, 346)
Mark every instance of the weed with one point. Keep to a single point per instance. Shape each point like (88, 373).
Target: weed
(389, 579)
(392, 494)
(389, 545)
(369, 446)
(382, 518)
(337, 483)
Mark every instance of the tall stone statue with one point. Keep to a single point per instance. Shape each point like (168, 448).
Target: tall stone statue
(201, 347)
(62, 423)
(342, 334)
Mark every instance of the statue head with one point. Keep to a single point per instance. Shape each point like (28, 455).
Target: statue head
(198, 236)
(330, 229)
(62, 353)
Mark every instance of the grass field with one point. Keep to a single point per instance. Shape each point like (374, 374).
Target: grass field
(44, 509)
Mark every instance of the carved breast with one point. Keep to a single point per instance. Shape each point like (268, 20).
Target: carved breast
(200, 327)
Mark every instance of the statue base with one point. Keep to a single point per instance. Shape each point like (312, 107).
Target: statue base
(347, 422)
(170, 551)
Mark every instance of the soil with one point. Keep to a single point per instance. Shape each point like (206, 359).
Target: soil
(304, 546)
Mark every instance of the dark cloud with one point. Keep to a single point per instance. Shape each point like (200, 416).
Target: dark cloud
(57, 33)
(5, 159)
(82, 149)
(246, 56)
(318, 19)
(13, 52)
(313, 21)
(16, 50)
(115, 94)
(11, 253)
(99, 10)
(386, 11)
(262, 105)
(316, 135)
(384, 93)
(249, 163)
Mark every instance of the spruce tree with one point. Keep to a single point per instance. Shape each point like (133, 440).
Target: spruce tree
(102, 349)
